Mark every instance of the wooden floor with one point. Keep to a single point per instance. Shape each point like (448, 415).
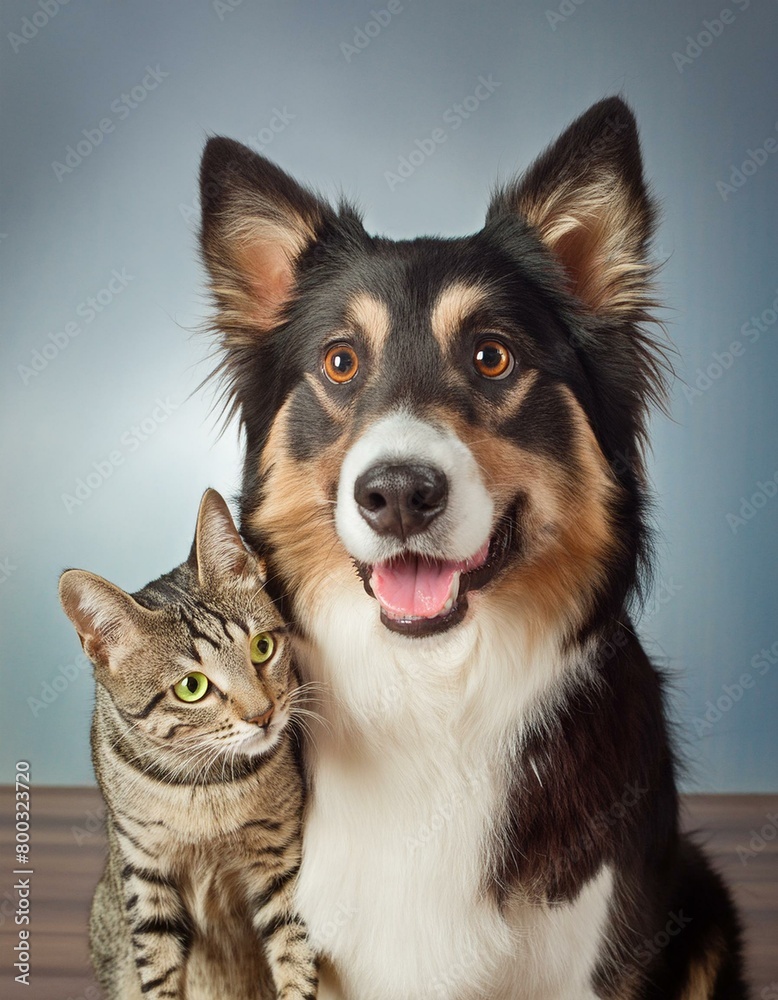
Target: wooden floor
(66, 852)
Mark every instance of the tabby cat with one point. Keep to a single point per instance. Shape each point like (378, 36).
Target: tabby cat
(190, 745)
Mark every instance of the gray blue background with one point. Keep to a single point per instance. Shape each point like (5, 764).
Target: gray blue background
(344, 119)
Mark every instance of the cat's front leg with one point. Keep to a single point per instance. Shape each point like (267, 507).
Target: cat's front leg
(160, 930)
(292, 961)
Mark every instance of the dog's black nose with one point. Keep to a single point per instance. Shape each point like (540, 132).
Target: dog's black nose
(401, 500)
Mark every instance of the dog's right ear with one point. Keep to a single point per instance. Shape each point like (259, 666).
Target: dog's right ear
(256, 221)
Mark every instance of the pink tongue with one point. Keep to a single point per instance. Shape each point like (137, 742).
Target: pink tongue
(410, 587)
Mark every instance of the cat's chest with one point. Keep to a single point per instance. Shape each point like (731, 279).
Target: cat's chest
(174, 818)
(212, 885)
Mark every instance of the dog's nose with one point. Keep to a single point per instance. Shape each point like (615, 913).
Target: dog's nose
(263, 720)
(401, 500)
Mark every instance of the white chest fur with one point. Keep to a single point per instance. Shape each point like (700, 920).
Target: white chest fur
(409, 776)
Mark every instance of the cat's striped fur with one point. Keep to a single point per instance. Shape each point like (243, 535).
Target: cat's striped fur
(204, 799)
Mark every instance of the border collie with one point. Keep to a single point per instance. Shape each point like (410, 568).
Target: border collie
(443, 469)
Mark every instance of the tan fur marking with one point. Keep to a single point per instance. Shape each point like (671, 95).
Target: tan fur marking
(371, 317)
(515, 397)
(567, 526)
(324, 399)
(566, 523)
(251, 259)
(703, 972)
(265, 252)
(298, 514)
(454, 305)
(598, 240)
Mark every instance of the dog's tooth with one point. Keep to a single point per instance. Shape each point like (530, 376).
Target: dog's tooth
(453, 593)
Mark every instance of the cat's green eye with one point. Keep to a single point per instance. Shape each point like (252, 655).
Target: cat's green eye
(262, 647)
(193, 687)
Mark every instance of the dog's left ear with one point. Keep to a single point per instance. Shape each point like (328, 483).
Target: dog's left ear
(256, 222)
(587, 199)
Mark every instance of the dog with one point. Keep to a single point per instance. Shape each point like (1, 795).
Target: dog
(444, 472)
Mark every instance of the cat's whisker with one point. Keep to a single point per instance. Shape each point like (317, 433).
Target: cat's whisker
(209, 757)
(302, 690)
(299, 713)
(305, 727)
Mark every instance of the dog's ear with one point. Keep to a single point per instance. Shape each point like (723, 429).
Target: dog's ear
(256, 221)
(586, 197)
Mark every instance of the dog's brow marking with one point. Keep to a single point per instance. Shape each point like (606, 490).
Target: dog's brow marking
(326, 403)
(275, 444)
(590, 454)
(516, 396)
(371, 316)
(454, 305)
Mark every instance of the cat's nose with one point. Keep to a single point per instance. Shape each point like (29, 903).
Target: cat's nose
(263, 720)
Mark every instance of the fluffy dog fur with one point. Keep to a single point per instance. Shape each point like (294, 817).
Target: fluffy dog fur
(492, 809)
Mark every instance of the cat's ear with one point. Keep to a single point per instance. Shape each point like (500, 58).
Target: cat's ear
(106, 618)
(219, 552)
(587, 199)
(256, 222)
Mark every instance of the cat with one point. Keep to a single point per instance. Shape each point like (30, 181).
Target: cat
(200, 776)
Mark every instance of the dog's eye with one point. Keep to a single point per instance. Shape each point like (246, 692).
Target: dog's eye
(493, 359)
(341, 363)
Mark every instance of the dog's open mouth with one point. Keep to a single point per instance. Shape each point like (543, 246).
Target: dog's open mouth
(420, 596)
